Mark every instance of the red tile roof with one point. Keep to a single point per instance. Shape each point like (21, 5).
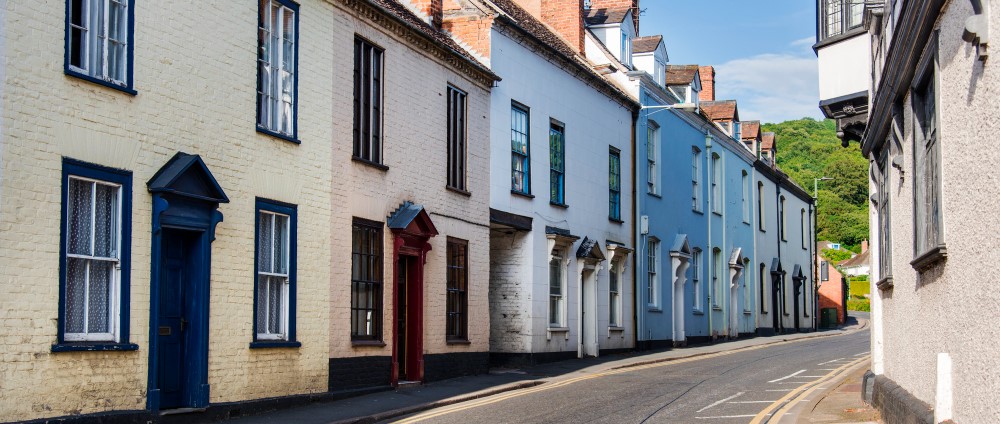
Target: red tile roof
(749, 130)
(767, 141)
(681, 74)
(723, 110)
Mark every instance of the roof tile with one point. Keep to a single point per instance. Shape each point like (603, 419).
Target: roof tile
(604, 16)
(646, 44)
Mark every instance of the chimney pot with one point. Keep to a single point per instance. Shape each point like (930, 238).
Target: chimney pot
(707, 74)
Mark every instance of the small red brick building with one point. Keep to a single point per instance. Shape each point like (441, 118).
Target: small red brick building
(832, 288)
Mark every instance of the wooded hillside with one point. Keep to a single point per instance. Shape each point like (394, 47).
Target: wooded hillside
(809, 149)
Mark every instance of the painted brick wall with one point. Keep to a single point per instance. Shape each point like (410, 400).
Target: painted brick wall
(415, 151)
(510, 294)
(196, 87)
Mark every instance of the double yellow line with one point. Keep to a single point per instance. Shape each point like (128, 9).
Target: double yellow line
(787, 402)
(549, 386)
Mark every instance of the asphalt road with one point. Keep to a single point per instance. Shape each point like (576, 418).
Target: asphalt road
(728, 388)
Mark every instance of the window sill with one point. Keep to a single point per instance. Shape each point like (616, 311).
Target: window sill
(375, 165)
(747, 312)
(275, 134)
(656, 309)
(266, 344)
(615, 220)
(616, 329)
(929, 259)
(884, 284)
(557, 330)
(458, 342)
(522, 194)
(124, 89)
(698, 211)
(717, 213)
(716, 308)
(367, 343)
(698, 312)
(656, 195)
(559, 205)
(93, 347)
(762, 230)
(457, 190)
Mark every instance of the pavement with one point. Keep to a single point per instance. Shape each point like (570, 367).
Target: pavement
(841, 403)
(384, 406)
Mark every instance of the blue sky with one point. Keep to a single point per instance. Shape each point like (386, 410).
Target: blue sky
(761, 50)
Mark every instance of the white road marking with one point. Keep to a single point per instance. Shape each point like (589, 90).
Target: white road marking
(862, 354)
(787, 376)
(722, 401)
(826, 369)
(778, 390)
(835, 360)
(811, 376)
(726, 416)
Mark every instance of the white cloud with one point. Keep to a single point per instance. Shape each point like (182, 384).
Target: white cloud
(771, 87)
(804, 42)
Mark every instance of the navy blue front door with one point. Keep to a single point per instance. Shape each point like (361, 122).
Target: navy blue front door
(177, 273)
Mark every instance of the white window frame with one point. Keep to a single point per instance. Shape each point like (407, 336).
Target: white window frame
(747, 284)
(560, 315)
(761, 221)
(717, 274)
(803, 220)
(652, 273)
(746, 197)
(114, 291)
(282, 334)
(652, 157)
(276, 99)
(696, 179)
(96, 43)
(716, 171)
(614, 295)
(696, 279)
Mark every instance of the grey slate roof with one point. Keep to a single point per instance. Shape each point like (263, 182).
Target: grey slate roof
(606, 15)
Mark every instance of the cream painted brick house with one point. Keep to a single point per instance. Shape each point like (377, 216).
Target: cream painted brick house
(157, 176)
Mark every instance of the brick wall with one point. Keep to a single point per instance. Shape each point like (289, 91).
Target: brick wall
(707, 93)
(510, 300)
(566, 18)
(429, 10)
(196, 86)
(471, 31)
(617, 4)
(831, 292)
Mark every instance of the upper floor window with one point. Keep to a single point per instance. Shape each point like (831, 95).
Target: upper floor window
(761, 278)
(366, 280)
(520, 172)
(824, 271)
(557, 300)
(99, 41)
(746, 197)
(928, 220)
(557, 164)
(457, 131)
(803, 221)
(275, 279)
(781, 219)
(696, 179)
(94, 261)
(614, 185)
(626, 52)
(760, 207)
(881, 204)
(652, 156)
(716, 183)
(840, 16)
(277, 59)
(367, 101)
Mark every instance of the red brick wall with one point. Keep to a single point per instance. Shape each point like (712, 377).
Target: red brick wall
(429, 10)
(614, 4)
(566, 17)
(472, 31)
(707, 93)
(831, 293)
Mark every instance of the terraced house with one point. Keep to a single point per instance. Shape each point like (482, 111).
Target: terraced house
(251, 213)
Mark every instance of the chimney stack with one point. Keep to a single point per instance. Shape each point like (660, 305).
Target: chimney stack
(431, 11)
(566, 17)
(707, 93)
(619, 4)
(864, 245)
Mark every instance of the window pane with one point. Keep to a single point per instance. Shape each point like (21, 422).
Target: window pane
(76, 279)
(99, 298)
(265, 243)
(80, 214)
(280, 244)
(106, 221)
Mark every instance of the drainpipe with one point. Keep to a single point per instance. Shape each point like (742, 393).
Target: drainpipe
(708, 224)
(781, 283)
(635, 237)
(813, 214)
(725, 259)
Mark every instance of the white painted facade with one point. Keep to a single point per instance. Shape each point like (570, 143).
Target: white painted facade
(594, 125)
(845, 67)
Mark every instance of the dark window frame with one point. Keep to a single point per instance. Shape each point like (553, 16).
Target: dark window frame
(72, 167)
(375, 281)
(457, 291)
(369, 102)
(128, 87)
(843, 19)
(290, 210)
(614, 184)
(261, 128)
(557, 174)
(457, 138)
(928, 247)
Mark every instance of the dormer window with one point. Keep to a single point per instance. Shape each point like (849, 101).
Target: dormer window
(626, 53)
